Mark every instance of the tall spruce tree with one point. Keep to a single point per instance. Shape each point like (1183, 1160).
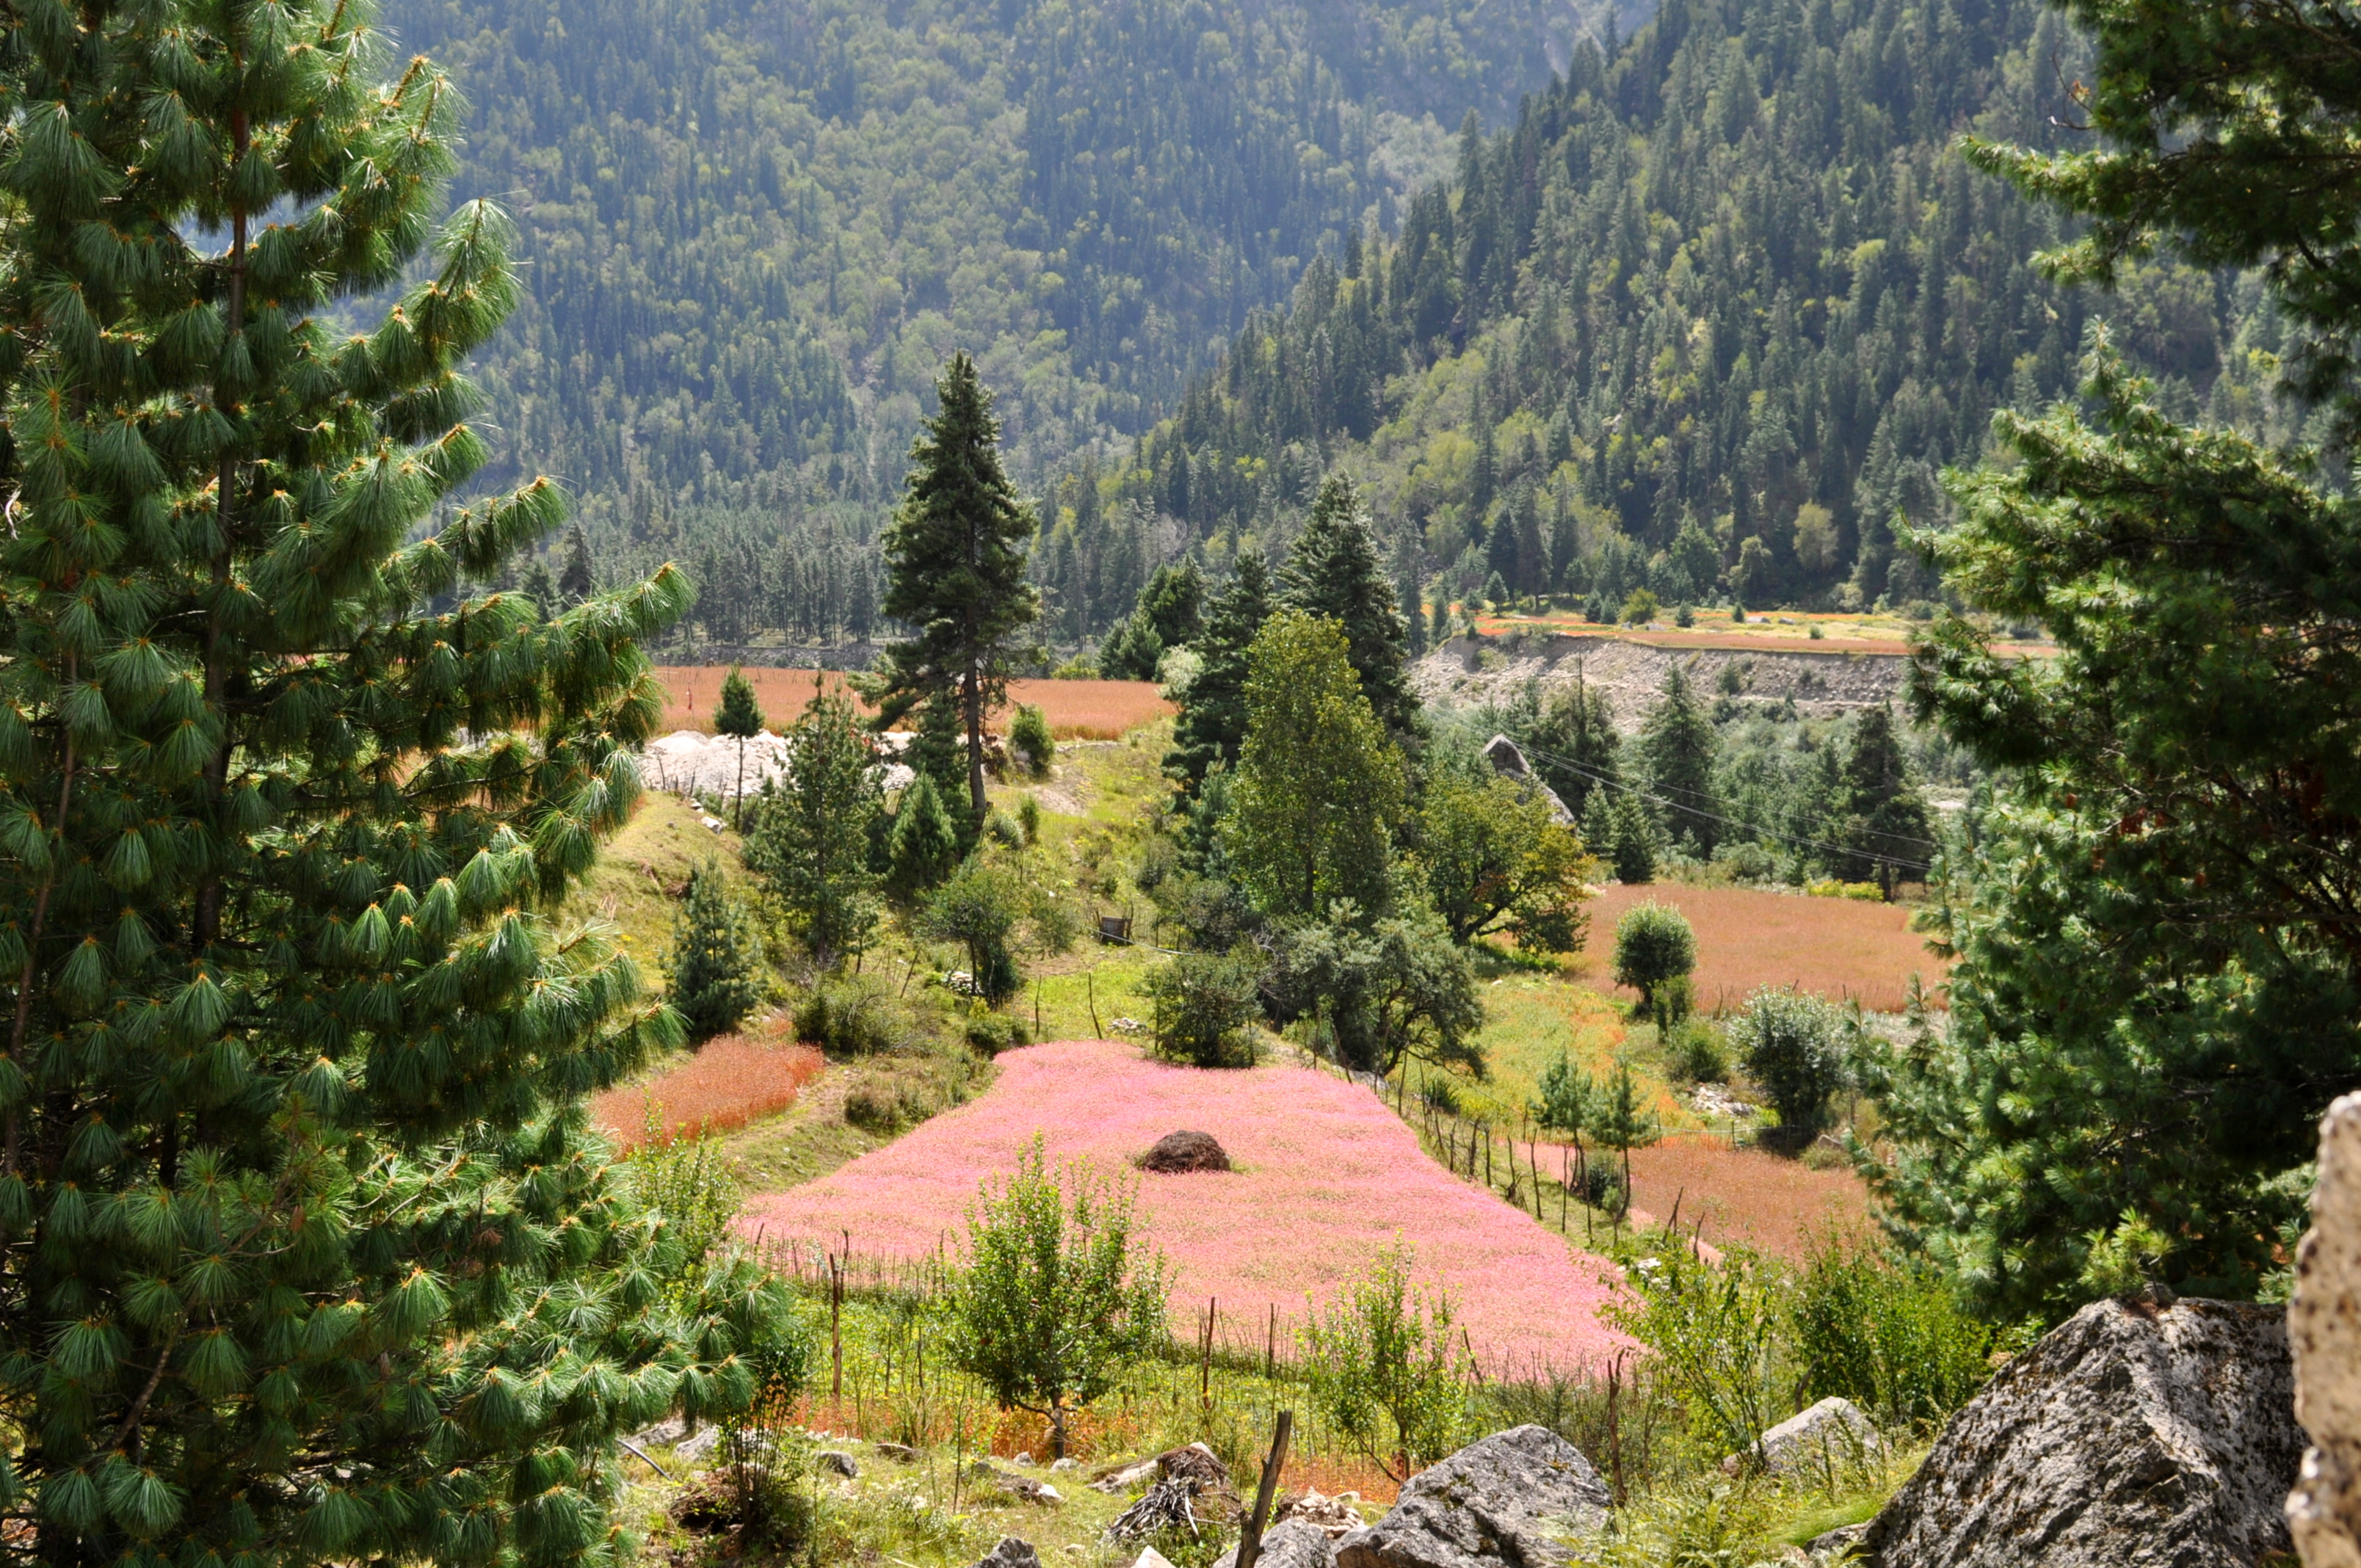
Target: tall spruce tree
(307, 1254)
(955, 559)
(1679, 747)
(1884, 825)
(2158, 986)
(1333, 572)
(712, 966)
(1212, 725)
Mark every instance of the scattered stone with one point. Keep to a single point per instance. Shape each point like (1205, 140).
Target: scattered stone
(2323, 1512)
(670, 1430)
(1023, 1488)
(836, 1461)
(1150, 1558)
(1178, 1152)
(1838, 1544)
(2132, 1435)
(1022, 1459)
(900, 1453)
(1075, 1549)
(698, 1447)
(1503, 1500)
(1066, 1464)
(1011, 1552)
(1334, 1514)
(1833, 1434)
(1298, 1543)
(1121, 1478)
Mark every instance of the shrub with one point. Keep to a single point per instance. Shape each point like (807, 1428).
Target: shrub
(1894, 1340)
(1715, 1329)
(1003, 828)
(1382, 1369)
(689, 1182)
(850, 1015)
(1055, 1299)
(1204, 1006)
(1029, 732)
(1654, 947)
(1640, 607)
(992, 1032)
(979, 908)
(1694, 1051)
(1792, 1044)
(1029, 817)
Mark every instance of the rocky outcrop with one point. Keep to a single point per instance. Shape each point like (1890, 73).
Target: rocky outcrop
(1178, 1152)
(1508, 760)
(2140, 1433)
(2323, 1512)
(1297, 1544)
(1011, 1552)
(1508, 1499)
(1630, 674)
(1834, 1434)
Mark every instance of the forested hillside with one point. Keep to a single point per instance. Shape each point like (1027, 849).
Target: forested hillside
(1709, 315)
(753, 231)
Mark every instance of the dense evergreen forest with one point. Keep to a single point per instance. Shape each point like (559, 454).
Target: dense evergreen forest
(753, 233)
(1707, 318)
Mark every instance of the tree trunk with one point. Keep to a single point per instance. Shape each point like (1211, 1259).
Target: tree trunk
(1057, 1430)
(972, 700)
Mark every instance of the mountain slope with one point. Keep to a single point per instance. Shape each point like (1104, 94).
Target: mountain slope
(754, 230)
(1707, 318)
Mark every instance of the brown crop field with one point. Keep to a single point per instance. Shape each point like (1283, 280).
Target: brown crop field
(1844, 949)
(1077, 710)
(1744, 1196)
(726, 1082)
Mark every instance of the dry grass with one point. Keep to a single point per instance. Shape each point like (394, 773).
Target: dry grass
(1077, 710)
(1747, 1196)
(1842, 948)
(728, 1081)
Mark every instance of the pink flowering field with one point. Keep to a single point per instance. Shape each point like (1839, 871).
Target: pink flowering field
(1326, 1176)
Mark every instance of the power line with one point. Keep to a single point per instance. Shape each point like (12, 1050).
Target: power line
(1756, 828)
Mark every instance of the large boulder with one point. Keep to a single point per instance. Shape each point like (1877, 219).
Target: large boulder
(1011, 1552)
(2324, 1333)
(1297, 1544)
(1176, 1153)
(1507, 1499)
(2140, 1433)
(1831, 1435)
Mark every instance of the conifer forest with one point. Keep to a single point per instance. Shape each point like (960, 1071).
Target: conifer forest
(1363, 784)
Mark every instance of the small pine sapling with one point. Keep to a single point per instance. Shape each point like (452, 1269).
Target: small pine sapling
(714, 962)
(1619, 1123)
(740, 716)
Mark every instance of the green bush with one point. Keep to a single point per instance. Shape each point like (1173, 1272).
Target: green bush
(1717, 1330)
(1894, 1340)
(1029, 817)
(1003, 828)
(1205, 1005)
(1383, 1371)
(851, 1016)
(992, 1032)
(1792, 1044)
(1056, 1298)
(1694, 1051)
(1029, 732)
(1655, 947)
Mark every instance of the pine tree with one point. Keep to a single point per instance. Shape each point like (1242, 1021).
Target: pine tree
(310, 1257)
(1679, 747)
(1575, 748)
(810, 843)
(712, 965)
(1333, 572)
(1885, 814)
(955, 555)
(1212, 725)
(740, 716)
(923, 848)
(576, 581)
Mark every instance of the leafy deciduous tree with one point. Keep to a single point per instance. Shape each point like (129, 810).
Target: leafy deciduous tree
(1496, 859)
